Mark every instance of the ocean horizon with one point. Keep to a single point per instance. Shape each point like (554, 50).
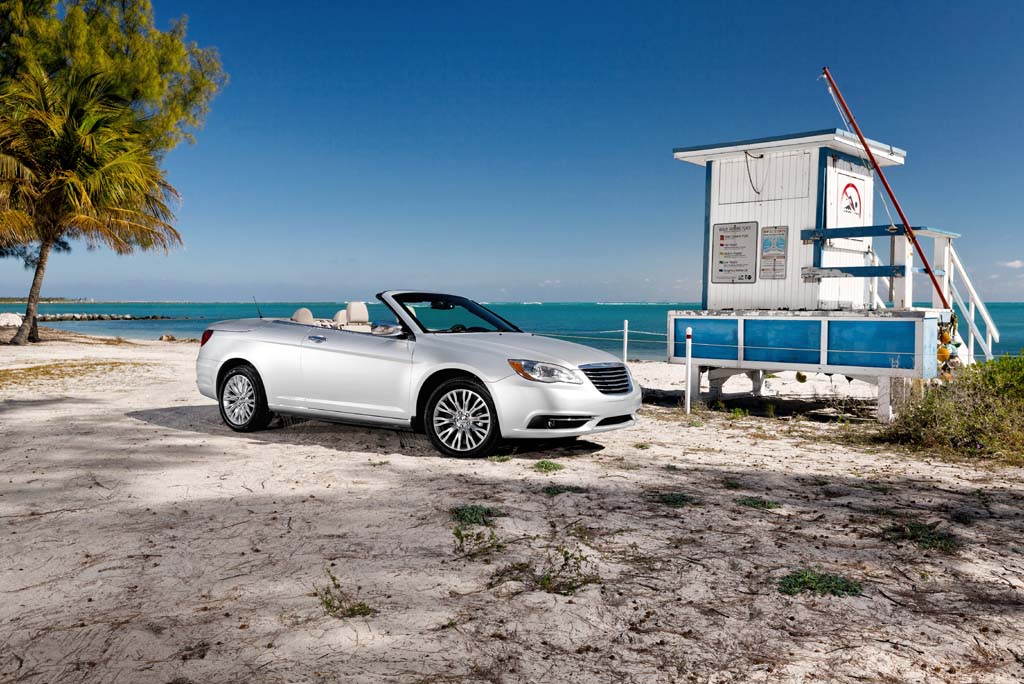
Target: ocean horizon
(597, 324)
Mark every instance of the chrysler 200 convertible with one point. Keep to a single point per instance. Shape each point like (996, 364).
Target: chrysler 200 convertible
(442, 364)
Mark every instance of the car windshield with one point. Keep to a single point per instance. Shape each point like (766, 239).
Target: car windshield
(436, 313)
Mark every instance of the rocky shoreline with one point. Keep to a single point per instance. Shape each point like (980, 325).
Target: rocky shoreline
(9, 319)
(97, 317)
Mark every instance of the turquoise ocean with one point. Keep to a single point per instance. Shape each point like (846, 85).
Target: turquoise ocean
(596, 324)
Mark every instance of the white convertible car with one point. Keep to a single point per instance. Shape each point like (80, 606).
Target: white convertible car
(443, 364)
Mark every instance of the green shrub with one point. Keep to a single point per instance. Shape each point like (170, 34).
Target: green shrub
(471, 542)
(757, 502)
(473, 514)
(674, 499)
(556, 489)
(979, 412)
(925, 536)
(818, 583)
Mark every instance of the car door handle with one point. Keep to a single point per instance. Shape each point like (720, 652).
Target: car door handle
(317, 338)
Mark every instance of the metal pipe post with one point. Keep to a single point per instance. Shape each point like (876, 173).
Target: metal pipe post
(689, 367)
(625, 340)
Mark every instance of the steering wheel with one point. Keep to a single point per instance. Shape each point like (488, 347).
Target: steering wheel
(457, 328)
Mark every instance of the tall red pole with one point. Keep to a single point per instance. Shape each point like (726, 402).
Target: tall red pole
(892, 195)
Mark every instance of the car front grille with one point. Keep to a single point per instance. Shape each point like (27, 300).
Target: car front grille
(608, 378)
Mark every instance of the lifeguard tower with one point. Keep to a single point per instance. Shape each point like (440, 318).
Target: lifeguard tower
(796, 262)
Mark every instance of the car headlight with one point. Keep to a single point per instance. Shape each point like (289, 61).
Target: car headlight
(539, 371)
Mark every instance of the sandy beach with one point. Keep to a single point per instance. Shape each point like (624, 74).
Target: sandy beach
(145, 542)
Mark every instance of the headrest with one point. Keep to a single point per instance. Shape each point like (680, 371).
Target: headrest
(303, 315)
(357, 313)
(341, 317)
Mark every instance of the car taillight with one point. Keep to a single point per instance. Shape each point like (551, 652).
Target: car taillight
(207, 334)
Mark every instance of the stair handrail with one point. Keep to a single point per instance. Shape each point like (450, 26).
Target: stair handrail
(985, 345)
(876, 300)
(990, 326)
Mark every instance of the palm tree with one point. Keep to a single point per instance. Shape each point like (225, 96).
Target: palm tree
(75, 165)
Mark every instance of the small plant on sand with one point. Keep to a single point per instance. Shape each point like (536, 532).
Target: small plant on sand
(757, 502)
(962, 517)
(815, 582)
(674, 499)
(738, 413)
(472, 543)
(547, 467)
(338, 603)
(642, 445)
(924, 536)
(377, 464)
(500, 458)
(474, 514)
(730, 483)
(671, 467)
(769, 410)
(563, 572)
(556, 489)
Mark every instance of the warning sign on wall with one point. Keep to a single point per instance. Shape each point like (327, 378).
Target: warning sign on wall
(734, 252)
(851, 200)
(774, 245)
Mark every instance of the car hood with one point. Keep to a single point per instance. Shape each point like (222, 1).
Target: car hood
(526, 346)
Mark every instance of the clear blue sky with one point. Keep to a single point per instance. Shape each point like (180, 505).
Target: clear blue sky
(523, 151)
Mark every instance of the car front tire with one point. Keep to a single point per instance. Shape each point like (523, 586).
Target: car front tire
(461, 420)
(242, 400)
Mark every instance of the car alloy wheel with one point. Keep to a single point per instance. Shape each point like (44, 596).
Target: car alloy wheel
(462, 420)
(238, 399)
(243, 401)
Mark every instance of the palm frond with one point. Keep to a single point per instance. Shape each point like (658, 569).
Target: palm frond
(75, 163)
(16, 228)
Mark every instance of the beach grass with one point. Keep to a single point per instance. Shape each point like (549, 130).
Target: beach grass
(55, 372)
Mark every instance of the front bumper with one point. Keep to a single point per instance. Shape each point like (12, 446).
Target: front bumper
(519, 401)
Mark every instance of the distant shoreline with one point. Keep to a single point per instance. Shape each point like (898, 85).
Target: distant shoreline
(65, 300)
(8, 300)
(45, 300)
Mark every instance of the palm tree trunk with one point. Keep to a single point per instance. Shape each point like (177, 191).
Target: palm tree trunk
(28, 325)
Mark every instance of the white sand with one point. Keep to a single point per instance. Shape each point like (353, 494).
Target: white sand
(142, 541)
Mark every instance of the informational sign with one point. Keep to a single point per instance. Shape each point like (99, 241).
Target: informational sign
(734, 252)
(774, 245)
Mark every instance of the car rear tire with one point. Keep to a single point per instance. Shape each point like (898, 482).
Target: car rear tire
(242, 400)
(461, 420)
